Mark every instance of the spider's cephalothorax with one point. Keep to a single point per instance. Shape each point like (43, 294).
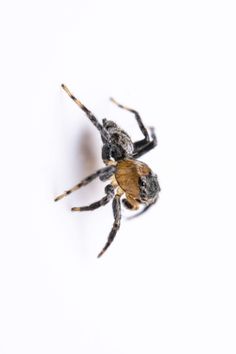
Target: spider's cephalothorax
(131, 181)
(137, 181)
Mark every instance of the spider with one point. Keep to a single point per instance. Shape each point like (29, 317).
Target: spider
(131, 181)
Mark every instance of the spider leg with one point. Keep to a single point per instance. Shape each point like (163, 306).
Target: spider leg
(138, 119)
(109, 190)
(145, 147)
(130, 204)
(139, 144)
(89, 114)
(116, 225)
(144, 210)
(99, 173)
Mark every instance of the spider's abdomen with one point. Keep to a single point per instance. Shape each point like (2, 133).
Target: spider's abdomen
(119, 146)
(137, 180)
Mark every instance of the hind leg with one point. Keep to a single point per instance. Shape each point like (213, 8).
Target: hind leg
(89, 114)
(138, 119)
(141, 148)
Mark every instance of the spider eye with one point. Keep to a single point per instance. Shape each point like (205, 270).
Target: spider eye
(143, 183)
(149, 187)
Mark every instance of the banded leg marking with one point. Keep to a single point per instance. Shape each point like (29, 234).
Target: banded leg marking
(109, 190)
(100, 173)
(89, 114)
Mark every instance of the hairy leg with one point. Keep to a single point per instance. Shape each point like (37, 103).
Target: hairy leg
(144, 210)
(100, 173)
(130, 204)
(116, 225)
(109, 190)
(138, 119)
(89, 114)
(145, 147)
(139, 144)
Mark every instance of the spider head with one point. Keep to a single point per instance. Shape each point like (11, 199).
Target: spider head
(138, 181)
(149, 187)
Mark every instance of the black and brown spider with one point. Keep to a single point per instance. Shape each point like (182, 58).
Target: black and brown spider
(128, 177)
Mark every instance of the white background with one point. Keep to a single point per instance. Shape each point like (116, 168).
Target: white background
(167, 283)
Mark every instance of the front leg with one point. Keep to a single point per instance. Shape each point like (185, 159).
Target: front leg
(144, 209)
(130, 204)
(116, 225)
(109, 190)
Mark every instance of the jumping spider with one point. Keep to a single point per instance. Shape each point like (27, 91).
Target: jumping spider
(128, 176)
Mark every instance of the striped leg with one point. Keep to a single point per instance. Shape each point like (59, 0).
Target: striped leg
(109, 190)
(100, 173)
(138, 119)
(89, 114)
(116, 225)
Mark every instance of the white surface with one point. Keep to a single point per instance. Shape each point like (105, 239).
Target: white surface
(167, 283)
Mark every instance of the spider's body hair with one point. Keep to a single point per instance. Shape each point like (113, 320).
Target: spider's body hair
(119, 146)
(129, 178)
